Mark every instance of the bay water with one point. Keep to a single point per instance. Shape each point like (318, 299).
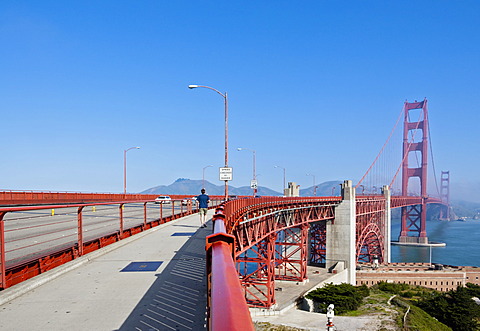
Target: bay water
(462, 239)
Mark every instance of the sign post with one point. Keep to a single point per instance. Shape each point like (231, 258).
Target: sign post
(254, 186)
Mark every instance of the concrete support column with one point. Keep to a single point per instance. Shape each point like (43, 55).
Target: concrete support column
(341, 235)
(388, 225)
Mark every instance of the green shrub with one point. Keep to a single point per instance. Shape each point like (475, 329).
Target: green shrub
(454, 308)
(419, 320)
(363, 290)
(408, 294)
(345, 297)
(473, 290)
(392, 287)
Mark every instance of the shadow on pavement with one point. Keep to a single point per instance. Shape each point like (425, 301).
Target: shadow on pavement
(177, 299)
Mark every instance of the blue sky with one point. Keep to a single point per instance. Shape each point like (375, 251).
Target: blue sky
(314, 86)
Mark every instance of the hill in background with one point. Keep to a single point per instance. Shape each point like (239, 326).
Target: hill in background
(184, 186)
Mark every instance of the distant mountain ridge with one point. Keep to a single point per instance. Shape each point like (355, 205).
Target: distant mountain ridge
(185, 186)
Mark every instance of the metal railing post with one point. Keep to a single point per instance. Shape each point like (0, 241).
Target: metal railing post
(2, 251)
(145, 215)
(80, 230)
(121, 220)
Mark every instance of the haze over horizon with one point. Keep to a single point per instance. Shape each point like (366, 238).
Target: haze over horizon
(314, 88)
(459, 193)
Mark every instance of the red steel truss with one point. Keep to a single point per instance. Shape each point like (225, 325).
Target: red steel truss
(272, 237)
(291, 253)
(271, 241)
(318, 243)
(259, 282)
(370, 229)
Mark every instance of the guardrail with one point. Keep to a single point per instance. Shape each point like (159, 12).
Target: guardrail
(227, 307)
(34, 197)
(35, 239)
(10, 197)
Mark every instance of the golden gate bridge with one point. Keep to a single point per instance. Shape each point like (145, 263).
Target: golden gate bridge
(255, 242)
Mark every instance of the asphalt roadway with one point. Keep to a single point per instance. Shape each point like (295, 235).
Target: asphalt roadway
(33, 233)
(93, 293)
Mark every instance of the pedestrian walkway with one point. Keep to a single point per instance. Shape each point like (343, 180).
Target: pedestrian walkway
(154, 280)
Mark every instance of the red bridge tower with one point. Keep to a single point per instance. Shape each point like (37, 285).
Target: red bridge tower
(413, 227)
(445, 196)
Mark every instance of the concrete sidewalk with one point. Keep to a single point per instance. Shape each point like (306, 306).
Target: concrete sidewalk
(94, 293)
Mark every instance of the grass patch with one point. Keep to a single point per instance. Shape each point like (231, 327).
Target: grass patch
(265, 326)
(376, 304)
(418, 320)
(355, 313)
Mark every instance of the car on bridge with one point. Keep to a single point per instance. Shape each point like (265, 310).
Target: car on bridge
(186, 200)
(163, 199)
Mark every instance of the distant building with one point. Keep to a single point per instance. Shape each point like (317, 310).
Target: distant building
(293, 190)
(438, 277)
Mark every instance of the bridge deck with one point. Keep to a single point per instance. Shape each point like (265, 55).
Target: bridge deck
(98, 295)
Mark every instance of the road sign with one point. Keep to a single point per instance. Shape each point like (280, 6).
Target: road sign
(253, 184)
(226, 173)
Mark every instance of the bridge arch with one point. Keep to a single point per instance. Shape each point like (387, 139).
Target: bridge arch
(370, 244)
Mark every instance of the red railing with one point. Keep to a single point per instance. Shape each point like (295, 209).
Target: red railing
(10, 197)
(35, 239)
(227, 307)
(236, 209)
(402, 201)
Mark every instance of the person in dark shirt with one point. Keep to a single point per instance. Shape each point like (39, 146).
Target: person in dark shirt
(203, 201)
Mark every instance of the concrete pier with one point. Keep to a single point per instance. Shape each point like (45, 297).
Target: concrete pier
(341, 235)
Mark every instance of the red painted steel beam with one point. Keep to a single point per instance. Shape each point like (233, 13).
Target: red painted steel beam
(228, 308)
(34, 197)
(2, 251)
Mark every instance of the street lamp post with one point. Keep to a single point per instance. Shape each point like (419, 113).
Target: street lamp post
(284, 176)
(125, 168)
(254, 168)
(225, 97)
(314, 186)
(203, 175)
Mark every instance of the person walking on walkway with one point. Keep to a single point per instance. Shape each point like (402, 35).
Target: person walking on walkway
(203, 201)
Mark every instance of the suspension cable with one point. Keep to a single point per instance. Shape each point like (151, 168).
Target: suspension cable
(433, 161)
(381, 151)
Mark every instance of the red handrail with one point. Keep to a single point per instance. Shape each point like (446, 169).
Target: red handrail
(10, 197)
(228, 308)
